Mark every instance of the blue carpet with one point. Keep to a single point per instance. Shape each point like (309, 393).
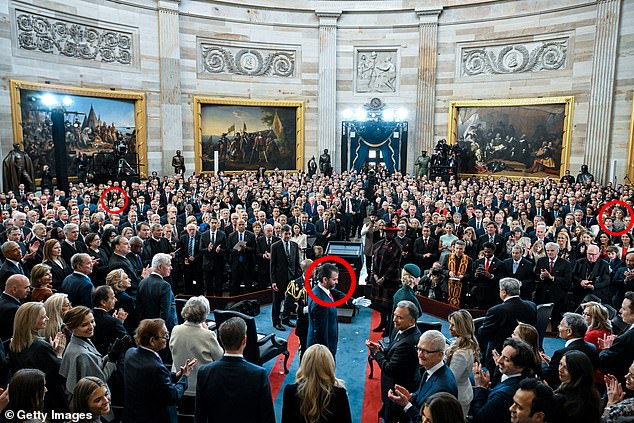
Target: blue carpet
(352, 355)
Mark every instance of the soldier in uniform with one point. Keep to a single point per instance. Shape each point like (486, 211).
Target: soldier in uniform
(422, 164)
(324, 163)
(178, 163)
(18, 169)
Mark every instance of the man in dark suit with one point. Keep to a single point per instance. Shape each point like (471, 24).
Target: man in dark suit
(492, 405)
(232, 389)
(155, 298)
(521, 269)
(494, 238)
(425, 250)
(118, 260)
(72, 245)
(592, 276)
(263, 256)
(326, 230)
(242, 258)
(572, 329)
(623, 280)
(618, 354)
(553, 277)
(12, 264)
(501, 320)
(284, 259)
(307, 227)
(16, 290)
(155, 244)
(108, 327)
(398, 361)
(489, 271)
(322, 320)
(78, 285)
(437, 377)
(152, 393)
(477, 223)
(213, 246)
(349, 211)
(192, 261)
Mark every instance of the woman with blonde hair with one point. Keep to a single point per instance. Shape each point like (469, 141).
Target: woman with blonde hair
(528, 334)
(599, 325)
(317, 396)
(30, 351)
(91, 397)
(119, 281)
(462, 353)
(56, 307)
(565, 248)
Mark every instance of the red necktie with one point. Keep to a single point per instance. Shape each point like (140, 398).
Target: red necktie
(487, 264)
(551, 267)
(330, 295)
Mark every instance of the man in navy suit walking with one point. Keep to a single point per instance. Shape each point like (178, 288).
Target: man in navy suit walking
(437, 377)
(322, 321)
(232, 389)
(155, 298)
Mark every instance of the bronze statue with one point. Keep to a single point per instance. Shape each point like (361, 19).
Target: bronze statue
(312, 167)
(422, 164)
(324, 163)
(178, 163)
(18, 169)
(584, 177)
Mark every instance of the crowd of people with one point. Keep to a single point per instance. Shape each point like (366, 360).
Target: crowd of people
(88, 306)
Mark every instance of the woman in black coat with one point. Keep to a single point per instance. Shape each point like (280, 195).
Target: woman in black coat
(52, 253)
(306, 401)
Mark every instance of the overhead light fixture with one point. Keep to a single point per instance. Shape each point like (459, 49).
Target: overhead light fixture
(401, 114)
(347, 113)
(360, 114)
(49, 100)
(67, 101)
(388, 114)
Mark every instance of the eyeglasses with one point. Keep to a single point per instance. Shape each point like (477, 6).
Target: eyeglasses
(425, 352)
(166, 336)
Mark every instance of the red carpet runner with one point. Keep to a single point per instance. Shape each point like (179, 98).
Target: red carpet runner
(372, 391)
(277, 376)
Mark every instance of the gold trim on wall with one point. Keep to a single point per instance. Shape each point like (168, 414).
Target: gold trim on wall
(566, 136)
(299, 125)
(140, 119)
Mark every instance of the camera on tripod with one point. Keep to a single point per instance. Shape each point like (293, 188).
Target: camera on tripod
(120, 147)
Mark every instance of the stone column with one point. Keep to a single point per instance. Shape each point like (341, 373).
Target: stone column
(170, 85)
(327, 127)
(602, 89)
(423, 138)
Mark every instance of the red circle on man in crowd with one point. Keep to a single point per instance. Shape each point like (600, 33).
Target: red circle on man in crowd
(619, 203)
(103, 200)
(344, 263)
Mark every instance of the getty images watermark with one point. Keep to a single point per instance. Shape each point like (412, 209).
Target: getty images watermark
(44, 416)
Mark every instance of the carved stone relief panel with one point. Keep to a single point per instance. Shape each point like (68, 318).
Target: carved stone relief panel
(69, 37)
(514, 58)
(218, 57)
(376, 70)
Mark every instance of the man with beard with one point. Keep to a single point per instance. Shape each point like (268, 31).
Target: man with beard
(386, 260)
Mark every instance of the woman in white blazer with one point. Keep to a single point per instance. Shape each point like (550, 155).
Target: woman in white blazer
(462, 353)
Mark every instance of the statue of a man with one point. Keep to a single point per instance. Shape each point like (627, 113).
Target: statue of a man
(312, 167)
(584, 177)
(18, 169)
(324, 163)
(178, 163)
(422, 164)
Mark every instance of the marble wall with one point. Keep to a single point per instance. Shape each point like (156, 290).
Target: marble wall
(437, 53)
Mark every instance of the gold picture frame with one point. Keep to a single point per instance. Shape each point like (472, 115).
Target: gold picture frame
(133, 102)
(516, 138)
(274, 134)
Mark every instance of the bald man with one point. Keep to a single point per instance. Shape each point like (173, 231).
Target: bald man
(17, 288)
(12, 265)
(591, 276)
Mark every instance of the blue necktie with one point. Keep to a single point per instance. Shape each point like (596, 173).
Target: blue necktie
(191, 246)
(241, 258)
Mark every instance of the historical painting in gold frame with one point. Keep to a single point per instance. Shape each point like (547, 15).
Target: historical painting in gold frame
(94, 122)
(248, 134)
(527, 137)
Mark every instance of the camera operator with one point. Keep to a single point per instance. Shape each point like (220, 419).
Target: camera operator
(433, 283)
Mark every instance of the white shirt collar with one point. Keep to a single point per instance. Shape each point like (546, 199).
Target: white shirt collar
(326, 290)
(512, 296)
(234, 355)
(570, 341)
(431, 371)
(152, 351)
(504, 377)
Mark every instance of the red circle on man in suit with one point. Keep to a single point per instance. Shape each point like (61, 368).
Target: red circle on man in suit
(619, 203)
(103, 200)
(341, 261)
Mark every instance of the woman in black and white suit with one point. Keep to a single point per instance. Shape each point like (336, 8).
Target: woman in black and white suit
(306, 400)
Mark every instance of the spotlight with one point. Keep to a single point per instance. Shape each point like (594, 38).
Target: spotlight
(48, 100)
(347, 114)
(67, 101)
(388, 114)
(360, 114)
(401, 114)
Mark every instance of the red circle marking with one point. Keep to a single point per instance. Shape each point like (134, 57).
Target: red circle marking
(620, 203)
(344, 263)
(103, 202)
